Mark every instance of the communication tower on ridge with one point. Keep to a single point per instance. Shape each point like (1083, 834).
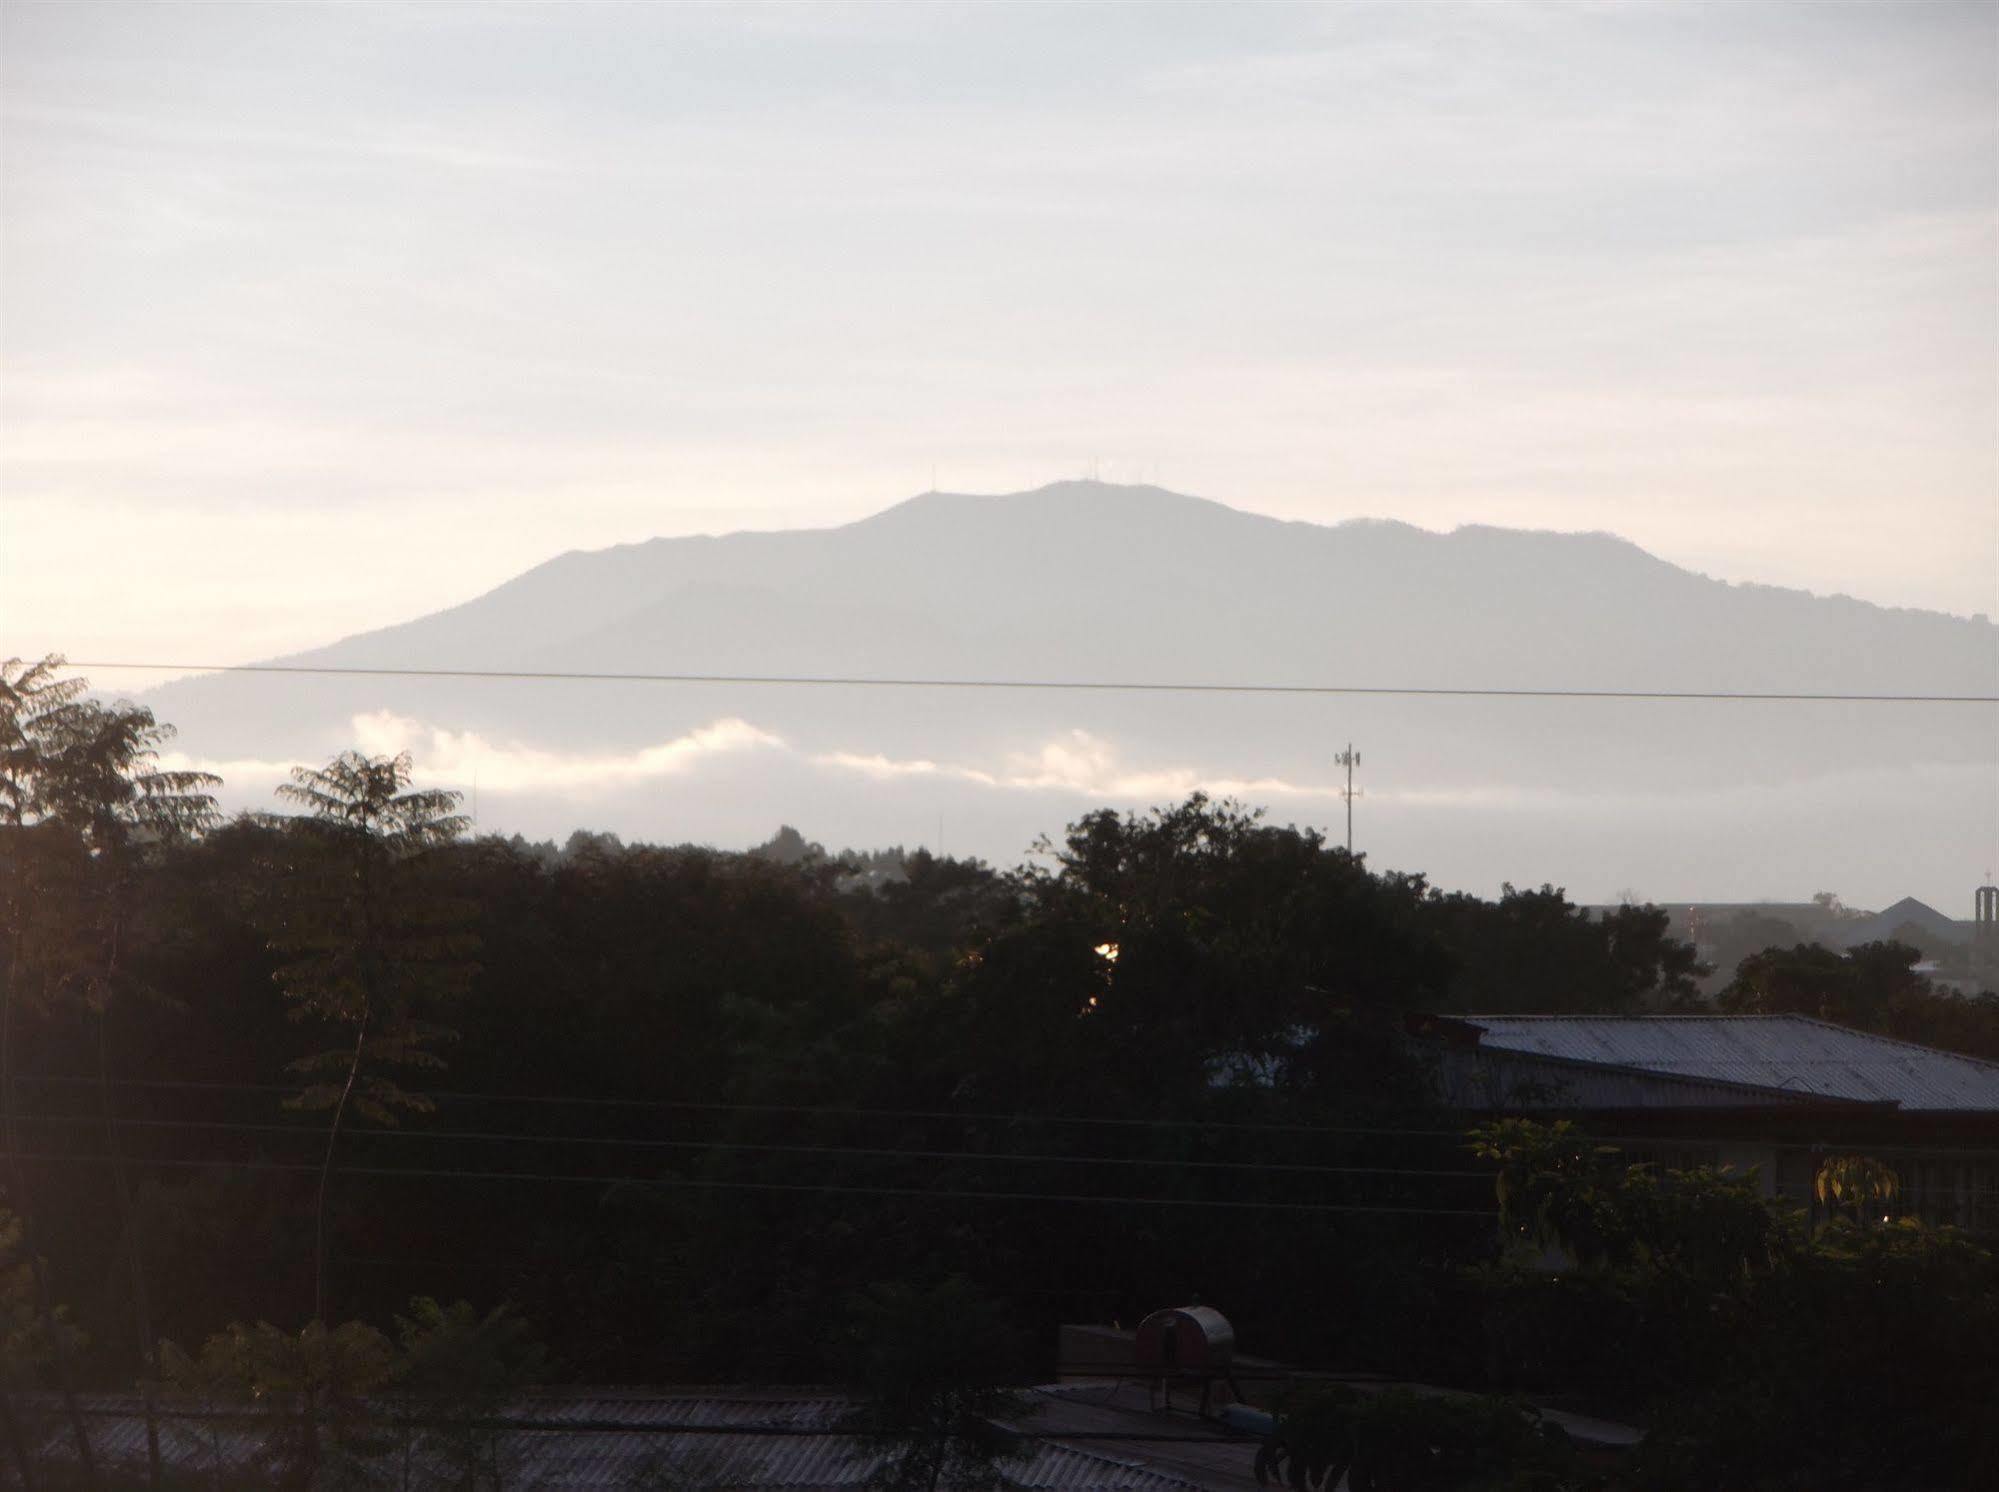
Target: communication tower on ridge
(1349, 759)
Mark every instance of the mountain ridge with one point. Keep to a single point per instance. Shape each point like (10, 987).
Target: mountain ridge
(1082, 582)
(1096, 504)
(1078, 582)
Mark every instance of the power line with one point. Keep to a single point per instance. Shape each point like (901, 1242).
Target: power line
(606, 1425)
(1131, 686)
(1459, 1133)
(678, 1183)
(647, 1143)
(831, 1110)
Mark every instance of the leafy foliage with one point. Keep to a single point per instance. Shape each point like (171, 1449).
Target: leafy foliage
(1857, 1181)
(810, 1022)
(1536, 951)
(34, 698)
(457, 1372)
(1398, 1440)
(307, 1392)
(1871, 987)
(372, 941)
(1865, 1363)
(347, 1406)
(1556, 1189)
(27, 1348)
(1243, 952)
(374, 945)
(1753, 1348)
(929, 1365)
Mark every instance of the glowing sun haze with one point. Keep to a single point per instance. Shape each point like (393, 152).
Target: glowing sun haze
(320, 318)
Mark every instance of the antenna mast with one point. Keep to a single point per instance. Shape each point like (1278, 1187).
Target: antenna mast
(1349, 759)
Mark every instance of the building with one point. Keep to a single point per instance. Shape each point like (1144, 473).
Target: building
(723, 1440)
(1775, 1092)
(1958, 954)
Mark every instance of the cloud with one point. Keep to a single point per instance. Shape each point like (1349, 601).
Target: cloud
(238, 773)
(458, 757)
(1075, 763)
(1082, 764)
(890, 769)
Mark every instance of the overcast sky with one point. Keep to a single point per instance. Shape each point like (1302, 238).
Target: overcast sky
(316, 318)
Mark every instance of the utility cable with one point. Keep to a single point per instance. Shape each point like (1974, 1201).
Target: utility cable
(434, 1173)
(1459, 1134)
(1125, 686)
(515, 1138)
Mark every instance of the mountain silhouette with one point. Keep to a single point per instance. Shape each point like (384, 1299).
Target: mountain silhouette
(1082, 581)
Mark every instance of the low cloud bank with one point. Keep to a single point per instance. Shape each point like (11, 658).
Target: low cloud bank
(1075, 762)
(1873, 834)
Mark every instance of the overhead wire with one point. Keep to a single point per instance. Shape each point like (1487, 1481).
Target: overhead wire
(833, 1110)
(579, 1425)
(647, 1142)
(679, 1183)
(1127, 686)
(1458, 1134)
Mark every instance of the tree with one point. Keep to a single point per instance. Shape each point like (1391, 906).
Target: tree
(930, 1366)
(374, 946)
(1864, 1362)
(456, 1375)
(1554, 1187)
(100, 779)
(29, 1342)
(1165, 954)
(1535, 950)
(309, 1390)
(1400, 1440)
(1751, 1348)
(1857, 1181)
(1872, 987)
(35, 701)
(1855, 989)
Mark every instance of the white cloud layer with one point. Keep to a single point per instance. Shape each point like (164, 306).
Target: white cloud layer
(1075, 764)
(732, 782)
(447, 757)
(466, 759)
(1080, 764)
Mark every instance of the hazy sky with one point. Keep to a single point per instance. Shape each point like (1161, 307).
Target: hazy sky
(315, 318)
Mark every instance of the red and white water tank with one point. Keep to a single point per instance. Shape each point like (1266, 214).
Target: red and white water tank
(1185, 1339)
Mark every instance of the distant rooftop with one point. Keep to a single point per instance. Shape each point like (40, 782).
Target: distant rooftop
(1795, 1053)
(731, 1440)
(1908, 912)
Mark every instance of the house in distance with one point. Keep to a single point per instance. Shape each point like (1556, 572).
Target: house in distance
(1779, 1093)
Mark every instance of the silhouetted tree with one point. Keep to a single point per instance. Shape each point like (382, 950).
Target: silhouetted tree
(309, 1390)
(35, 700)
(1538, 951)
(102, 782)
(1165, 954)
(931, 1368)
(1871, 987)
(375, 945)
(457, 1373)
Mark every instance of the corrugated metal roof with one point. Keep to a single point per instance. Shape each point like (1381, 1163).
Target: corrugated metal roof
(1793, 1052)
(1485, 1078)
(799, 1449)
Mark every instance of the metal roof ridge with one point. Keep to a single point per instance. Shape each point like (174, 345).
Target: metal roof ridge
(1662, 1015)
(1052, 1440)
(1692, 1079)
(1795, 1016)
(1902, 1041)
(712, 1393)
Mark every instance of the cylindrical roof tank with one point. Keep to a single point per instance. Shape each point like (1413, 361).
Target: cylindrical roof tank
(1185, 1339)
